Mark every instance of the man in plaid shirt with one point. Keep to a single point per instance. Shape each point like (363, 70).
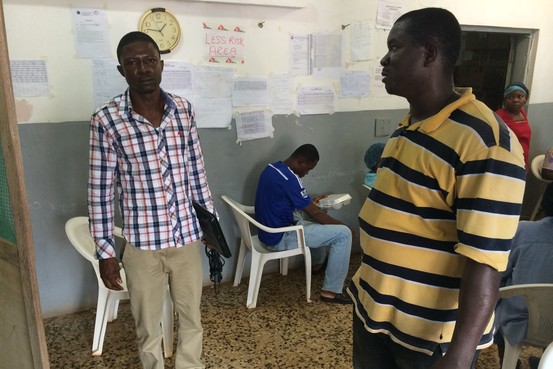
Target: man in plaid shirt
(144, 144)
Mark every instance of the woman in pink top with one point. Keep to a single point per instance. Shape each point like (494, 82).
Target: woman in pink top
(514, 115)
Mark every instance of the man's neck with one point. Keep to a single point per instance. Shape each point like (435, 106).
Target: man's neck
(150, 106)
(428, 104)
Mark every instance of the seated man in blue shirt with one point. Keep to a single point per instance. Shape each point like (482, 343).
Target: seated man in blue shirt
(530, 261)
(279, 193)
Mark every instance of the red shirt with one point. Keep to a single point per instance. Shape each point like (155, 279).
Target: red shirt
(522, 130)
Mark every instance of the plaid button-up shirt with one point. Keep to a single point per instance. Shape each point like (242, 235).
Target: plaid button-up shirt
(157, 172)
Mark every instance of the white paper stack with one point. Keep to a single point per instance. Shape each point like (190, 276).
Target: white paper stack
(335, 201)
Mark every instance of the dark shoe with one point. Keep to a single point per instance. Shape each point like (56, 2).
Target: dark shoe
(339, 298)
(533, 362)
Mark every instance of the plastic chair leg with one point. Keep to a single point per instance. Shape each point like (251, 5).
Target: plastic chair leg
(255, 280)
(511, 355)
(103, 309)
(167, 325)
(537, 207)
(240, 264)
(113, 311)
(307, 259)
(284, 266)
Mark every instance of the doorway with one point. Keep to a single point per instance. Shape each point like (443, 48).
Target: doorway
(493, 57)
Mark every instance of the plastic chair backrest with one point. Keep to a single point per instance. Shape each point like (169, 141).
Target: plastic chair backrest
(536, 165)
(243, 219)
(539, 298)
(78, 233)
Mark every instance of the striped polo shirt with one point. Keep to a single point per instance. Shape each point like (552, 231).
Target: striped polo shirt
(448, 188)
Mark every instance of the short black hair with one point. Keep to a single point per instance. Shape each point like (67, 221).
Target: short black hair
(306, 151)
(134, 36)
(547, 200)
(435, 25)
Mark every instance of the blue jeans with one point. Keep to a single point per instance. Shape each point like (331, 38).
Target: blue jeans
(337, 237)
(378, 351)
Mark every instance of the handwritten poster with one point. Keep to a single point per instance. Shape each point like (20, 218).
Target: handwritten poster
(224, 44)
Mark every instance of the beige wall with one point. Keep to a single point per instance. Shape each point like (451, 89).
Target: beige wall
(39, 31)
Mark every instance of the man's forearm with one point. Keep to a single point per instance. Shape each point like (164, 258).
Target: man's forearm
(477, 300)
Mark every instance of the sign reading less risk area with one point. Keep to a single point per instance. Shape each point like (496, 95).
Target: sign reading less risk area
(224, 45)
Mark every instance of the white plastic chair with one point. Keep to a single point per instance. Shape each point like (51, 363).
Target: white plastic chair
(546, 361)
(259, 253)
(536, 165)
(108, 300)
(539, 298)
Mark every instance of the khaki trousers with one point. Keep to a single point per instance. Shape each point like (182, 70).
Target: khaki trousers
(148, 273)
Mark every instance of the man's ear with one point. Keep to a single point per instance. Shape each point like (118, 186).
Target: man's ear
(430, 53)
(120, 69)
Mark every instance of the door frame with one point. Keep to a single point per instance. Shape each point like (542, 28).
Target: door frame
(524, 42)
(24, 341)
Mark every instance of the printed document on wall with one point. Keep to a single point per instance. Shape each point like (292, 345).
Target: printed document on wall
(213, 112)
(327, 51)
(300, 55)
(177, 78)
(355, 84)
(387, 13)
(92, 39)
(253, 124)
(361, 42)
(316, 100)
(29, 77)
(212, 81)
(106, 81)
(251, 91)
(282, 101)
(378, 88)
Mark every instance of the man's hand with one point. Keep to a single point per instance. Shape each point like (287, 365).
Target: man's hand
(477, 300)
(109, 272)
(316, 199)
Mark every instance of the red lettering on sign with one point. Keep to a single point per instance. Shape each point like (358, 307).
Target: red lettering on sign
(222, 51)
(215, 40)
(236, 40)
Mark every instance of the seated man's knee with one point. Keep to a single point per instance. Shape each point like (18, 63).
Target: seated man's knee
(344, 232)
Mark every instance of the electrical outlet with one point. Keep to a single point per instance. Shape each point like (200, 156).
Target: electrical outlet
(382, 127)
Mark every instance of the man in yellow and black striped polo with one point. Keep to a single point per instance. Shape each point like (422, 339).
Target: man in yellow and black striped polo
(436, 229)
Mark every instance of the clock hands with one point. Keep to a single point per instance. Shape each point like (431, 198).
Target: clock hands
(160, 30)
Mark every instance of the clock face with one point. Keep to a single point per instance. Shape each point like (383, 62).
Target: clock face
(163, 27)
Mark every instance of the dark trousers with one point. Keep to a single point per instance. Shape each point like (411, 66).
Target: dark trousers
(378, 351)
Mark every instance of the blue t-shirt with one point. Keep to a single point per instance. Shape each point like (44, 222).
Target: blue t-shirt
(279, 193)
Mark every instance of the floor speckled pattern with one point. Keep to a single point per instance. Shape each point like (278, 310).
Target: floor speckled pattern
(284, 331)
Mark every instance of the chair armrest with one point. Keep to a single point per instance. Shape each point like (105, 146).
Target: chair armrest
(278, 230)
(117, 232)
(516, 290)
(273, 230)
(248, 209)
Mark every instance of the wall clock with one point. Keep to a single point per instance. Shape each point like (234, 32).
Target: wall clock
(163, 27)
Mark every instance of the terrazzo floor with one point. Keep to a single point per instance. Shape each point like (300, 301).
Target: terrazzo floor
(283, 331)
